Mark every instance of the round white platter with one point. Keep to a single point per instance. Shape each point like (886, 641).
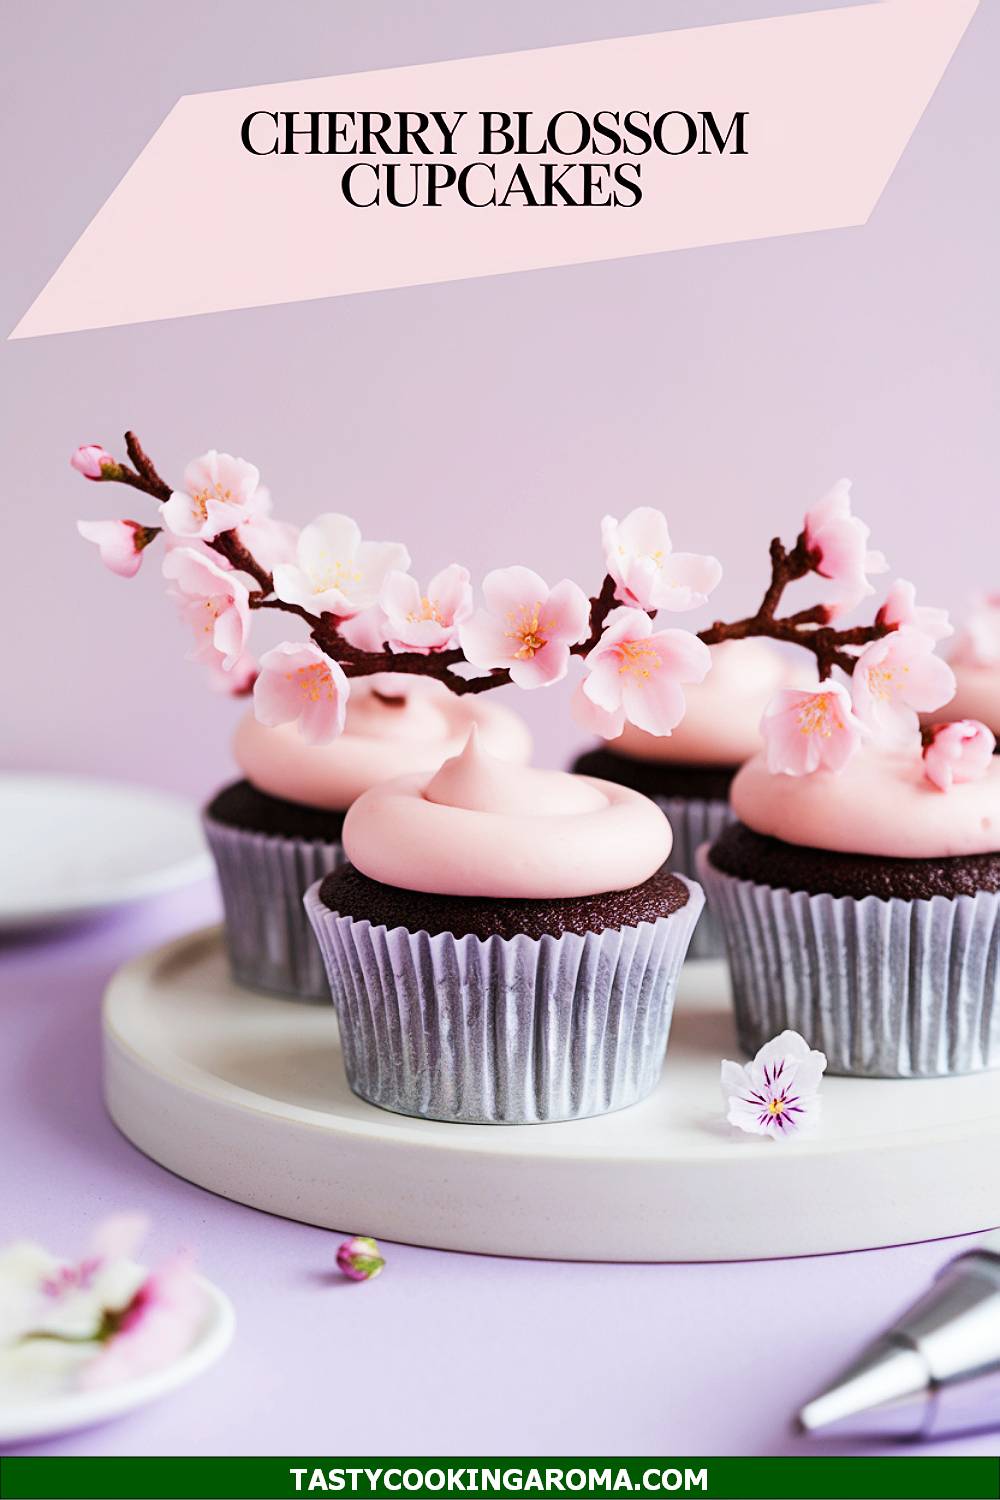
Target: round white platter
(85, 845)
(246, 1095)
(65, 1410)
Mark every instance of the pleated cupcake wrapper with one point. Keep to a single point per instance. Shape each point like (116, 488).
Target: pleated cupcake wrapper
(503, 1030)
(887, 989)
(263, 879)
(695, 821)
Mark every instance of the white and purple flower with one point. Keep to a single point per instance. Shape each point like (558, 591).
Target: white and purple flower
(777, 1094)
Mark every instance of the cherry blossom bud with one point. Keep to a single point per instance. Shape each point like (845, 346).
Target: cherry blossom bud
(960, 751)
(121, 543)
(359, 1258)
(91, 461)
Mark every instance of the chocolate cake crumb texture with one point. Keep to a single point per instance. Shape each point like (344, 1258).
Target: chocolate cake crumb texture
(768, 861)
(352, 894)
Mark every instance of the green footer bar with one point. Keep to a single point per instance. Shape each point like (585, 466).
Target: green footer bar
(486, 1478)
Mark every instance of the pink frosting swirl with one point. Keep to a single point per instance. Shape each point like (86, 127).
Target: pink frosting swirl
(394, 724)
(721, 723)
(881, 803)
(483, 827)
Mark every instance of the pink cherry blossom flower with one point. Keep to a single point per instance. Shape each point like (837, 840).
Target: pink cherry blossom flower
(809, 729)
(156, 1326)
(526, 626)
(896, 678)
(121, 543)
(299, 684)
(426, 622)
(636, 673)
(215, 602)
(901, 608)
(335, 572)
(838, 541)
(220, 493)
(360, 1258)
(776, 1095)
(647, 572)
(960, 751)
(91, 461)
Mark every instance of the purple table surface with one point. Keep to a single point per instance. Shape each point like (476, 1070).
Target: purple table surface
(444, 1353)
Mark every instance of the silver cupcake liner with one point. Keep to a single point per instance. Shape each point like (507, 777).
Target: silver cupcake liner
(504, 1030)
(263, 878)
(887, 989)
(695, 821)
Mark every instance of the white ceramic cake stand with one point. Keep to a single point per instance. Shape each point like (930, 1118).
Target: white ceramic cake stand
(246, 1095)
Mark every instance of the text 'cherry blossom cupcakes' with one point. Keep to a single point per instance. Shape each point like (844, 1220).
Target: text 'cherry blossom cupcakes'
(859, 888)
(278, 830)
(504, 943)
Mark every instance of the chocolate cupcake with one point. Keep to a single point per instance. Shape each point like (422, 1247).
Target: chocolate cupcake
(688, 773)
(277, 831)
(861, 908)
(504, 944)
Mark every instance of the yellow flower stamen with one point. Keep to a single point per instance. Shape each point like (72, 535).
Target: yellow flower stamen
(529, 629)
(428, 611)
(638, 659)
(214, 491)
(315, 682)
(882, 682)
(334, 573)
(820, 715)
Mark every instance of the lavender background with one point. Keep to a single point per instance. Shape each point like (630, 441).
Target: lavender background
(488, 421)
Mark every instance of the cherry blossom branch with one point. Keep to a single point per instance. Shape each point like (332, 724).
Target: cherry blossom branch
(145, 469)
(324, 628)
(808, 627)
(358, 663)
(229, 546)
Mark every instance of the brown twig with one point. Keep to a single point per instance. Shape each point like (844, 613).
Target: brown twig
(229, 546)
(808, 628)
(122, 474)
(144, 467)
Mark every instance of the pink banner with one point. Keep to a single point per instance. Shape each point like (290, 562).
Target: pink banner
(326, 186)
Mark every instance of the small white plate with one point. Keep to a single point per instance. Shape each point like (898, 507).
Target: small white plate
(66, 1411)
(73, 846)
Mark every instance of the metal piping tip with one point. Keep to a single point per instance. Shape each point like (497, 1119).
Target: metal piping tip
(884, 1391)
